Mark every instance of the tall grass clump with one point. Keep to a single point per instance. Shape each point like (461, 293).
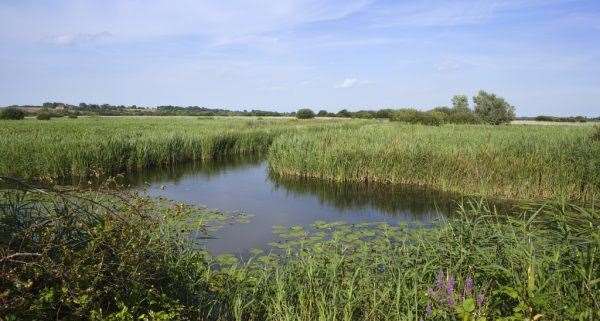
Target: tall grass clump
(68, 255)
(89, 147)
(513, 162)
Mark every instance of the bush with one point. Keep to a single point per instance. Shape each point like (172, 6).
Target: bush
(81, 259)
(305, 113)
(44, 116)
(413, 116)
(72, 116)
(12, 113)
(462, 117)
(493, 109)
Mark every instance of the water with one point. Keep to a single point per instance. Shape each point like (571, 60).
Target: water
(248, 187)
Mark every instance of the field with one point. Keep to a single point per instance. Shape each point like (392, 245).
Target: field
(507, 162)
(104, 254)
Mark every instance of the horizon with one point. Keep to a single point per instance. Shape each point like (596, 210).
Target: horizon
(543, 57)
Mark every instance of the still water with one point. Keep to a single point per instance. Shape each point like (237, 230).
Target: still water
(248, 187)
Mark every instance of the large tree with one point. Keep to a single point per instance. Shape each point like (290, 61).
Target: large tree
(493, 109)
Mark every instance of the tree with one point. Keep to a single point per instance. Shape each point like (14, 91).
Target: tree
(305, 113)
(460, 103)
(343, 113)
(12, 113)
(493, 109)
(322, 113)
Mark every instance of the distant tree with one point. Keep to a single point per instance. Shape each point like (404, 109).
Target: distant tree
(322, 113)
(305, 113)
(384, 113)
(493, 109)
(344, 113)
(460, 103)
(11, 113)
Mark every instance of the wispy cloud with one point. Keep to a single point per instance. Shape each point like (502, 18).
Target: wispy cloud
(352, 82)
(80, 38)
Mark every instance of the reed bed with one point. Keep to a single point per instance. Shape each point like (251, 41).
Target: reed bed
(101, 146)
(502, 162)
(68, 255)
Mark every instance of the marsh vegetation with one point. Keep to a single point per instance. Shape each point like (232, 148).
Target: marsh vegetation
(105, 254)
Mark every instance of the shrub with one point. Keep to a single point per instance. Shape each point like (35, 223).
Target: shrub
(413, 116)
(460, 103)
(12, 113)
(305, 113)
(493, 109)
(44, 116)
(80, 258)
(322, 113)
(72, 116)
(462, 117)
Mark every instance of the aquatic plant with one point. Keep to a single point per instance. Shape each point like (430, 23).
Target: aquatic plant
(508, 162)
(94, 146)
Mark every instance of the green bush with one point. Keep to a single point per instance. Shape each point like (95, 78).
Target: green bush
(413, 116)
(72, 256)
(305, 113)
(493, 109)
(12, 113)
(72, 116)
(44, 116)
(462, 117)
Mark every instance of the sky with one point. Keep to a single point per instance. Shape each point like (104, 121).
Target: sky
(543, 56)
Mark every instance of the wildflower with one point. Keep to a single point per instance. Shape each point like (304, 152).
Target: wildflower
(468, 286)
(428, 310)
(480, 299)
(450, 285)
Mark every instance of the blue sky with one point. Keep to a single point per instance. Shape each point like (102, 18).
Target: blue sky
(543, 56)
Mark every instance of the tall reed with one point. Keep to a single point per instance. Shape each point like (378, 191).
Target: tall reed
(508, 162)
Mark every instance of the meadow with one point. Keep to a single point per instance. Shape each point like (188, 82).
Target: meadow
(506, 162)
(101, 253)
(104, 146)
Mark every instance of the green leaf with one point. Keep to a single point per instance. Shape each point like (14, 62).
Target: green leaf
(469, 305)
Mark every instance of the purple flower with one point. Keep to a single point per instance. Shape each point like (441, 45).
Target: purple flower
(480, 299)
(450, 301)
(450, 285)
(468, 286)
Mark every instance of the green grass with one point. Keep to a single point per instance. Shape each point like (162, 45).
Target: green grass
(506, 162)
(101, 146)
(100, 257)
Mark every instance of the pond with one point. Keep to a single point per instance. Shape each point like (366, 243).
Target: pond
(248, 187)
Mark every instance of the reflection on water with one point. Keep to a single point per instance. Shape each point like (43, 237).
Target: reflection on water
(246, 186)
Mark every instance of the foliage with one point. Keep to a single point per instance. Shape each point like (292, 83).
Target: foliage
(493, 109)
(460, 103)
(79, 255)
(305, 113)
(511, 162)
(574, 119)
(322, 113)
(110, 146)
(11, 113)
(413, 116)
(44, 116)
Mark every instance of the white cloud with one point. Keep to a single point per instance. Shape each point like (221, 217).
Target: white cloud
(72, 39)
(352, 82)
(220, 21)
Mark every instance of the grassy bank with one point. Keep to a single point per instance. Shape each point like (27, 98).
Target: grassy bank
(96, 256)
(87, 147)
(509, 162)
